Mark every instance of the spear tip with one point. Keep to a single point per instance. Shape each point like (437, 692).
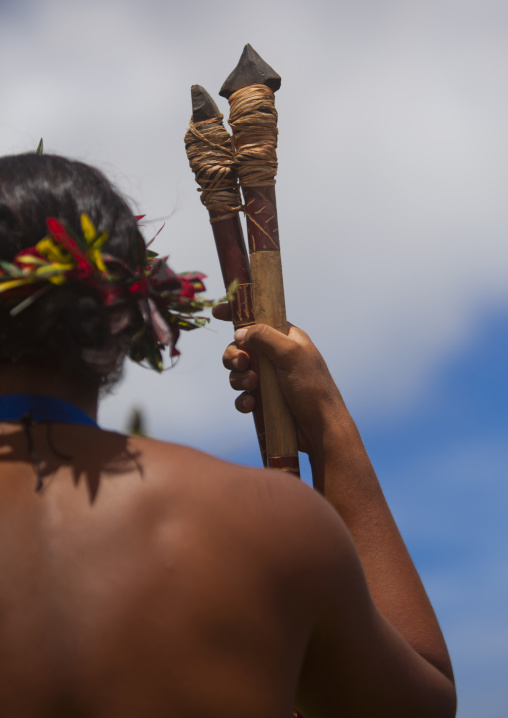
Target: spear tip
(251, 70)
(203, 105)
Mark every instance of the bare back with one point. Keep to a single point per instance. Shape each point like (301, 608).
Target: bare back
(146, 579)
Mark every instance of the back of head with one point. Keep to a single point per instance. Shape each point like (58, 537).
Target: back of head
(69, 328)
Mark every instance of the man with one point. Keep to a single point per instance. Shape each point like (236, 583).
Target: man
(150, 580)
(145, 579)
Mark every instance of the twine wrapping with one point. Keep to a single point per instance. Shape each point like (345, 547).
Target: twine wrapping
(253, 119)
(209, 150)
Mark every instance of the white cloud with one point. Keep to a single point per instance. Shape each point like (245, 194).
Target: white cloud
(392, 167)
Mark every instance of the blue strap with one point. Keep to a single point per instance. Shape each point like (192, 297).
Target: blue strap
(13, 407)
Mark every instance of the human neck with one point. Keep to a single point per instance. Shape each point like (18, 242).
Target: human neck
(28, 379)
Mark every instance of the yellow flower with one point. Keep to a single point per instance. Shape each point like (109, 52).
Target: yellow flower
(54, 272)
(5, 286)
(88, 229)
(54, 252)
(93, 241)
(31, 259)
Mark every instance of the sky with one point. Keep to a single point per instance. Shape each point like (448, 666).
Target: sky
(393, 164)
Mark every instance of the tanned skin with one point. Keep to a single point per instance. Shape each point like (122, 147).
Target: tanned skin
(148, 579)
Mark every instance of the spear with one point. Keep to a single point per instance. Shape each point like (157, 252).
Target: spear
(253, 118)
(210, 152)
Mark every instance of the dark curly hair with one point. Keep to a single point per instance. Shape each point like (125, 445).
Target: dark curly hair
(68, 329)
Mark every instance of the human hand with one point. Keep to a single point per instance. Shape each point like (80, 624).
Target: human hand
(304, 378)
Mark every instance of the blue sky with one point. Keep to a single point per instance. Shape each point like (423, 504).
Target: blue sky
(444, 469)
(445, 472)
(393, 162)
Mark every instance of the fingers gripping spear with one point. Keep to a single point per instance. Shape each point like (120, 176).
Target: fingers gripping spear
(250, 90)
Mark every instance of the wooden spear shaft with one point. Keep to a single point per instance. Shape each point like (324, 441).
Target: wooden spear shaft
(226, 226)
(234, 265)
(266, 267)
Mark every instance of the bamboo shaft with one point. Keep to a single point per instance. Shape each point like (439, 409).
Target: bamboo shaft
(234, 264)
(270, 308)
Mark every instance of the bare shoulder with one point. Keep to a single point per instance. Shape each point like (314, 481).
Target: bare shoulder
(272, 509)
(275, 548)
(258, 517)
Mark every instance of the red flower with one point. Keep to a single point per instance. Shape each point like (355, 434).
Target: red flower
(85, 268)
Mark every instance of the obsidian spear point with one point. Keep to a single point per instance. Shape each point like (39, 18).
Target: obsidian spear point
(251, 70)
(203, 106)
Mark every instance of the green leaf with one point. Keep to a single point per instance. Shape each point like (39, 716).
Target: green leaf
(154, 357)
(232, 290)
(11, 269)
(40, 147)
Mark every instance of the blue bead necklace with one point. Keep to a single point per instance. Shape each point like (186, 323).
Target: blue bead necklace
(27, 409)
(41, 408)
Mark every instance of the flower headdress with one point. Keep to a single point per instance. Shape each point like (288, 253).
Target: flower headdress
(152, 298)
